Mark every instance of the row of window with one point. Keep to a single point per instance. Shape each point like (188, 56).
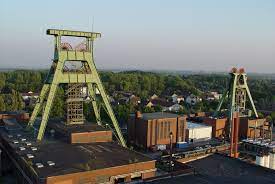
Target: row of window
(163, 130)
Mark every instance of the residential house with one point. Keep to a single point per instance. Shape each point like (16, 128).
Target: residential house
(123, 97)
(177, 98)
(213, 95)
(29, 98)
(154, 96)
(193, 99)
(164, 104)
(173, 108)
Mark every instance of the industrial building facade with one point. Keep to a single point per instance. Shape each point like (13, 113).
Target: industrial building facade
(248, 128)
(152, 129)
(218, 125)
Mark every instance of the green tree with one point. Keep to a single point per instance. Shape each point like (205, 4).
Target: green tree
(273, 116)
(260, 115)
(16, 101)
(2, 104)
(122, 112)
(58, 105)
(183, 110)
(89, 112)
(2, 80)
(148, 109)
(157, 108)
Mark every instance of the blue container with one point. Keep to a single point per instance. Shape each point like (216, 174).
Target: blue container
(182, 145)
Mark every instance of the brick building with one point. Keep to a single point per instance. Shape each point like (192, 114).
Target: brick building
(74, 154)
(247, 127)
(218, 125)
(250, 128)
(152, 129)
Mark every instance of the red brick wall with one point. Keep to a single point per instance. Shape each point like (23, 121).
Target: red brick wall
(160, 130)
(89, 137)
(97, 176)
(148, 133)
(218, 125)
(247, 127)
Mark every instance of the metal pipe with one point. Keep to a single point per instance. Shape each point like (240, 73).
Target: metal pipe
(236, 134)
(271, 130)
(256, 123)
(232, 135)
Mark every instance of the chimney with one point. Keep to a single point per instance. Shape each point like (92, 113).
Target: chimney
(138, 115)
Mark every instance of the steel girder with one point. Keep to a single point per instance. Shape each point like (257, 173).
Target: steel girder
(57, 76)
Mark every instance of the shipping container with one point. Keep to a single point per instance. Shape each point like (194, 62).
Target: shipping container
(181, 145)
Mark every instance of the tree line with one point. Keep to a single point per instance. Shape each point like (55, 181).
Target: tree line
(142, 84)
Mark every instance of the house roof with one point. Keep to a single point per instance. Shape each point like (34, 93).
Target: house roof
(30, 94)
(162, 102)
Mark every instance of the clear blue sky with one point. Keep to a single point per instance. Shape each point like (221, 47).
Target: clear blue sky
(146, 34)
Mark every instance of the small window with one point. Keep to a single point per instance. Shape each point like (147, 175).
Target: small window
(120, 180)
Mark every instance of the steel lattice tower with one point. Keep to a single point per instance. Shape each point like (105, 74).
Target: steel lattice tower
(237, 93)
(74, 104)
(86, 75)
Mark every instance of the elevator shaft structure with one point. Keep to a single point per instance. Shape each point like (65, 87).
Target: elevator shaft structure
(74, 102)
(237, 94)
(85, 75)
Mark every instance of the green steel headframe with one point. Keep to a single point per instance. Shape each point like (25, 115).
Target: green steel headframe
(57, 76)
(236, 93)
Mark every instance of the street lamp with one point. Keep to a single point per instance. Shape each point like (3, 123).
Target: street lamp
(171, 149)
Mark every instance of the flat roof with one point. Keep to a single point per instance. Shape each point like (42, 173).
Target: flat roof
(191, 125)
(217, 169)
(69, 158)
(11, 124)
(158, 115)
(85, 127)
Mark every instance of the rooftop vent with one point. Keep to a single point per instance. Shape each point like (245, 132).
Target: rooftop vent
(23, 139)
(21, 148)
(39, 165)
(50, 163)
(30, 156)
(34, 148)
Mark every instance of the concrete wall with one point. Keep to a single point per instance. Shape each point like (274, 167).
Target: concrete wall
(199, 133)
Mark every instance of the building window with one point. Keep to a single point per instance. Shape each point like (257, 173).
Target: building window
(169, 129)
(165, 130)
(161, 130)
